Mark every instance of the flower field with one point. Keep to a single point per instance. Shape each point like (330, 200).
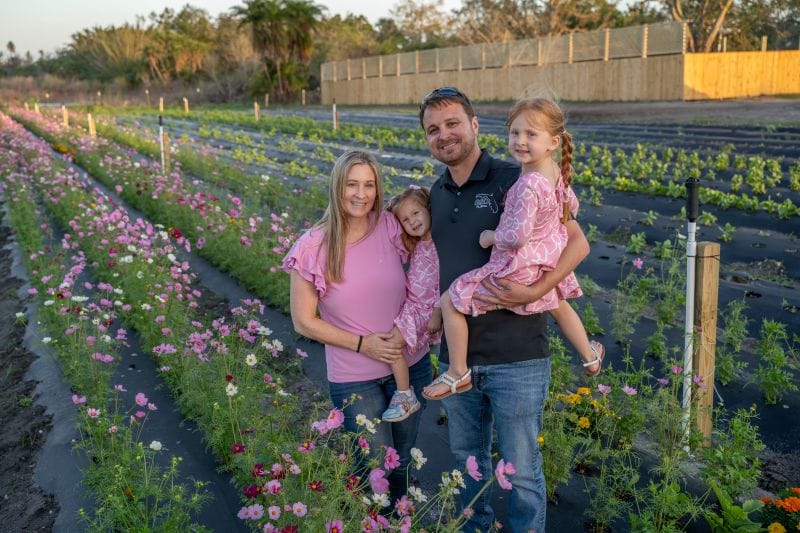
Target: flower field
(112, 243)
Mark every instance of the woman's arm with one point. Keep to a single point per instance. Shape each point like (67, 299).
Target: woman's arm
(303, 299)
(511, 294)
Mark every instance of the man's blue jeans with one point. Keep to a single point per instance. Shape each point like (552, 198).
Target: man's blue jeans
(375, 396)
(511, 397)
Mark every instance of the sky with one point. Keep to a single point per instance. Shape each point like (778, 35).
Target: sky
(47, 24)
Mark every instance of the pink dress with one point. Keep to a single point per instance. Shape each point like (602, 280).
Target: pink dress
(527, 242)
(422, 296)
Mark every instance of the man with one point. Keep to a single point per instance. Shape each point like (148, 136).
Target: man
(508, 353)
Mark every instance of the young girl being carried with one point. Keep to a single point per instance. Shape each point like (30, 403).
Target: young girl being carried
(420, 319)
(527, 242)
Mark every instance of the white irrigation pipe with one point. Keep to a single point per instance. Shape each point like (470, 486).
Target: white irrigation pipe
(161, 144)
(692, 208)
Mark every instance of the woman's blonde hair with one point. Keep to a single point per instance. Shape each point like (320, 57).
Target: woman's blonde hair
(334, 223)
(421, 195)
(550, 117)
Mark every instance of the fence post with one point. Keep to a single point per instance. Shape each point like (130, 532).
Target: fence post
(36, 108)
(160, 104)
(607, 45)
(363, 68)
(302, 96)
(90, 125)
(539, 52)
(705, 312)
(437, 61)
(397, 59)
(483, 56)
(65, 116)
(335, 115)
(645, 35)
(571, 47)
(185, 105)
(763, 43)
(266, 100)
(256, 112)
(416, 62)
(684, 36)
(348, 70)
(460, 58)
(380, 66)
(725, 43)
(147, 94)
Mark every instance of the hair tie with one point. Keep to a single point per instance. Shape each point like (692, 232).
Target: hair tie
(412, 186)
(563, 132)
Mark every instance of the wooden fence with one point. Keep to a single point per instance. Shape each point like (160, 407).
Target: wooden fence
(740, 74)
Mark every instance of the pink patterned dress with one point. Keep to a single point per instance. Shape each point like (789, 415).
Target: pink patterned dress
(527, 242)
(422, 295)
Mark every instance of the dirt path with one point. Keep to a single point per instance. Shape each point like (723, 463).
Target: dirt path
(23, 505)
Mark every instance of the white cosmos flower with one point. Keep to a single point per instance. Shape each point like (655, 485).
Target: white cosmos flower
(278, 345)
(381, 499)
(251, 360)
(171, 258)
(48, 302)
(419, 459)
(156, 446)
(47, 340)
(361, 419)
(20, 314)
(417, 494)
(231, 389)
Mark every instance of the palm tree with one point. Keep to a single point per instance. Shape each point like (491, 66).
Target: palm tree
(282, 35)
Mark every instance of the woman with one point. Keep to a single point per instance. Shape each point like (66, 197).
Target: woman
(350, 267)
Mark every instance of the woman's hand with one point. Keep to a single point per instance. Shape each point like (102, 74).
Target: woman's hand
(384, 347)
(435, 323)
(486, 239)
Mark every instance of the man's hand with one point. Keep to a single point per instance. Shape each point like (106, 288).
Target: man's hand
(507, 294)
(486, 239)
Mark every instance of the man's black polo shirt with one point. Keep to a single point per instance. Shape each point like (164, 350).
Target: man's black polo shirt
(459, 215)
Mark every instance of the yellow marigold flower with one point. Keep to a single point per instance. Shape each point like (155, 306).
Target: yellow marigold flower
(573, 399)
(584, 423)
(540, 440)
(596, 405)
(775, 527)
(584, 391)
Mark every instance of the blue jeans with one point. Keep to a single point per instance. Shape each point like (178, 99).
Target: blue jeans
(375, 396)
(511, 397)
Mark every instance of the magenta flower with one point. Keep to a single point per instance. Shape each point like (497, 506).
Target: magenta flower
(630, 391)
(273, 486)
(251, 491)
(502, 470)
(472, 468)
(306, 447)
(92, 412)
(391, 459)
(638, 263)
(603, 389)
(237, 448)
(336, 526)
(663, 381)
(699, 381)
(141, 399)
(378, 481)
(301, 353)
(335, 419)
(677, 369)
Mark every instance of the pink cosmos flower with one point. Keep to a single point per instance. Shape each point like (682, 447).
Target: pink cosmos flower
(677, 369)
(699, 381)
(151, 406)
(113, 429)
(502, 470)
(468, 512)
(320, 426)
(403, 506)
(306, 447)
(472, 468)
(391, 458)
(77, 400)
(378, 481)
(368, 524)
(663, 381)
(140, 414)
(630, 391)
(141, 399)
(273, 486)
(274, 512)
(335, 419)
(267, 378)
(299, 509)
(638, 263)
(92, 412)
(336, 526)
(301, 353)
(603, 389)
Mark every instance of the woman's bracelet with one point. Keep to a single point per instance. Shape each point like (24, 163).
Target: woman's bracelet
(360, 340)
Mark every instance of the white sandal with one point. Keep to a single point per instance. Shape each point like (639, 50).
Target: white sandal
(599, 352)
(457, 385)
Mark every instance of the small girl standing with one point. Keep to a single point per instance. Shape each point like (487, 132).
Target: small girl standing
(420, 319)
(527, 242)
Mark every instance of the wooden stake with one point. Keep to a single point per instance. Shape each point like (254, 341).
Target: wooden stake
(645, 38)
(607, 45)
(256, 110)
(763, 43)
(335, 115)
(705, 315)
(90, 122)
(303, 97)
(65, 116)
(26, 107)
(266, 100)
(571, 46)
(36, 108)
(161, 104)
(185, 105)
(166, 153)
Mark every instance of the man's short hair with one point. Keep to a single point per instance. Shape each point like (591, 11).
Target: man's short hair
(445, 95)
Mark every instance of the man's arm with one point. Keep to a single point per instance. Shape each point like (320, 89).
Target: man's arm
(511, 294)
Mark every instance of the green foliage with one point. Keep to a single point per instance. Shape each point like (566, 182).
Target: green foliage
(776, 367)
(734, 332)
(591, 322)
(649, 218)
(591, 233)
(637, 243)
(733, 518)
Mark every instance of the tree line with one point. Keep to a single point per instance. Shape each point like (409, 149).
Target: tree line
(277, 46)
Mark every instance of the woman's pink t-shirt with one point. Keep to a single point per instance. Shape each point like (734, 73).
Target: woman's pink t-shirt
(367, 300)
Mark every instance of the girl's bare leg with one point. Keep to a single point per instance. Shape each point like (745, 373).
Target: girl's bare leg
(571, 326)
(457, 334)
(400, 372)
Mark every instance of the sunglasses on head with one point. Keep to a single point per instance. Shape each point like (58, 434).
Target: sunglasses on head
(442, 91)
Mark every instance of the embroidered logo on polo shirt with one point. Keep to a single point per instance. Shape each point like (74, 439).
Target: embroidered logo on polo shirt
(486, 200)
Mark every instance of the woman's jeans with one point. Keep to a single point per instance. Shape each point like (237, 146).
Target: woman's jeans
(511, 397)
(375, 396)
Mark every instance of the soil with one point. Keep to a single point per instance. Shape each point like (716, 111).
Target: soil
(24, 506)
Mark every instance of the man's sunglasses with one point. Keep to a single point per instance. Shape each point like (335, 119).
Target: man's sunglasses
(442, 91)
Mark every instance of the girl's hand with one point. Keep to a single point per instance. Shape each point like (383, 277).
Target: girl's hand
(435, 323)
(486, 239)
(384, 347)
